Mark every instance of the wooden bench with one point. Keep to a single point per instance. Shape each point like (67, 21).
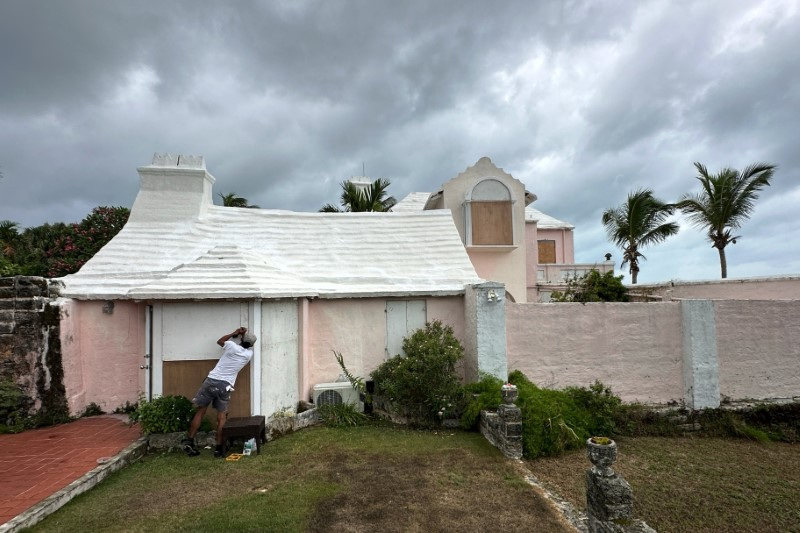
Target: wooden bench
(246, 427)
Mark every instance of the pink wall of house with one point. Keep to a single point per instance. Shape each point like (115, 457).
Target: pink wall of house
(636, 349)
(775, 288)
(101, 353)
(565, 247)
(759, 348)
(357, 329)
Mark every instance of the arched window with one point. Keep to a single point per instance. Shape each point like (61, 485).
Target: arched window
(489, 214)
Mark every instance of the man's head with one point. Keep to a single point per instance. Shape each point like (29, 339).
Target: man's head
(248, 340)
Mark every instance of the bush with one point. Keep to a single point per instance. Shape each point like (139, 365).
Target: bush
(341, 415)
(423, 385)
(165, 414)
(13, 408)
(482, 395)
(593, 287)
(92, 410)
(554, 421)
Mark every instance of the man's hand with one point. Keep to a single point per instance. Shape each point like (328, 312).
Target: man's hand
(238, 331)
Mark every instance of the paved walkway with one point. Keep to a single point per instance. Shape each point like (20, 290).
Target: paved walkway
(37, 463)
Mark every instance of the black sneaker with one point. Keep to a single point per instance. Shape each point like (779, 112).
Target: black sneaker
(188, 447)
(219, 451)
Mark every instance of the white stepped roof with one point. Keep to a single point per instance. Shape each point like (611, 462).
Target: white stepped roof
(544, 221)
(230, 252)
(413, 202)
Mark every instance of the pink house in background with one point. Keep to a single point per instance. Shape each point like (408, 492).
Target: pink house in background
(506, 239)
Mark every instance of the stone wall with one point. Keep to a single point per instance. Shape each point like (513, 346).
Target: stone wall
(30, 347)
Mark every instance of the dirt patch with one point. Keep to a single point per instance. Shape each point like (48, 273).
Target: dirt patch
(441, 492)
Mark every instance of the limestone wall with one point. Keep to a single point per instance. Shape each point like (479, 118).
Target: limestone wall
(30, 348)
(772, 288)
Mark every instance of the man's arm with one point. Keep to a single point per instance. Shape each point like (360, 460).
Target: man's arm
(238, 331)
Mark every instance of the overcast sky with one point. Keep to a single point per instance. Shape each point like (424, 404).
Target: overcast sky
(581, 101)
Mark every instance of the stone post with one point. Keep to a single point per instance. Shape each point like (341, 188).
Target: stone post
(485, 331)
(609, 498)
(504, 428)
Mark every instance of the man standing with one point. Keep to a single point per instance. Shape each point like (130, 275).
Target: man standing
(217, 388)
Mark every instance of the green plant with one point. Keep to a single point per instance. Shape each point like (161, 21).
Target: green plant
(92, 410)
(601, 403)
(423, 385)
(593, 287)
(355, 381)
(165, 414)
(481, 395)
(341, 415)
(13, 408)
(126, 409)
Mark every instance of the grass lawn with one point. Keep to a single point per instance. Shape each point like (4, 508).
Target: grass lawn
(370, 478)
(695, 484)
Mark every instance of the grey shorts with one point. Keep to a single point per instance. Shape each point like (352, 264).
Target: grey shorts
(214, 392)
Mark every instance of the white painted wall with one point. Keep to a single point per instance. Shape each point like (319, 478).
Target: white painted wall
(279, 356)
(190, 330)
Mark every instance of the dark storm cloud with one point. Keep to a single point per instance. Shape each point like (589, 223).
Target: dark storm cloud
(582, 101)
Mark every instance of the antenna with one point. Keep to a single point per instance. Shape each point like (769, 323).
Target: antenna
(363, 172)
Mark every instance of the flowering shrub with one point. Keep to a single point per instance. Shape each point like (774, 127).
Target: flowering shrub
(423, 384)
(81, 241)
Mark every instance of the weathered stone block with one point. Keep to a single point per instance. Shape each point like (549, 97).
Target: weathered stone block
(7, 292)
(7, 315)
(29, 304)
(7, 282)
(608, 498)
(509, 413)
(514, 430)
(6, 328)
(7, 304)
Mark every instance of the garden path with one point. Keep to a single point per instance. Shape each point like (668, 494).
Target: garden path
(37, 463)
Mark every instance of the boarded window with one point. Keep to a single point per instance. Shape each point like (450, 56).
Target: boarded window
(491, 223)
(402, 317)
(547, 252)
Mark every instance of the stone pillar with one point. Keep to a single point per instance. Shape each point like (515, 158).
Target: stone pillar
(485, 331)
(700, 364)
(504, 428)
(609, 498)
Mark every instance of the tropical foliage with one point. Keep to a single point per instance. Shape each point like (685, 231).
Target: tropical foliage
(232, 200)
(54, 250)
(356, 199)
(725, 203)
(638, 223)
(593, 287)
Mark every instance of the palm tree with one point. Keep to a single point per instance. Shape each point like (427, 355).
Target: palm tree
(231, 200)
(9, 233)
(725, 202)
(355, 199)
(637, 223)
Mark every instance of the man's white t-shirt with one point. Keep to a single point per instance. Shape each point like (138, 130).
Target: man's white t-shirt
(233, 359)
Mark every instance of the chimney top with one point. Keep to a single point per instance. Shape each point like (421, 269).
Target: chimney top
(179, 160)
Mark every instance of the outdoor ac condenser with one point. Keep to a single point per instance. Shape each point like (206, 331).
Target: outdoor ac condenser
(337, 393)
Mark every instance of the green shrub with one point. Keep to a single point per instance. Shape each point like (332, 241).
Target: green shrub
(165, 414)
(601, 404)
(423, 385)
(341, 415)
(92, 410)
(593, 287)
(13, 408)
(482, 395)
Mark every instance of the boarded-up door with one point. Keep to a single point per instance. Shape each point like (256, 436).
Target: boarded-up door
(185, 336)
(402, 318)
(547, 252)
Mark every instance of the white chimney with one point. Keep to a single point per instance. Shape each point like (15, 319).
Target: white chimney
(172, 187)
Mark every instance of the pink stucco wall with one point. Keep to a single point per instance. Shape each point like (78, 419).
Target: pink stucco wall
(357, 329)
(636, 349)
(101, 353)
(777, 288)
(758, 345)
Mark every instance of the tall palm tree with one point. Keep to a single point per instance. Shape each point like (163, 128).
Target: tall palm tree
(231, 200)
(356, 200)
(726, 201)
(639, 222)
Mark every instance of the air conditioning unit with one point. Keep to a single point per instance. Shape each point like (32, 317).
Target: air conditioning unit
(337, 393)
